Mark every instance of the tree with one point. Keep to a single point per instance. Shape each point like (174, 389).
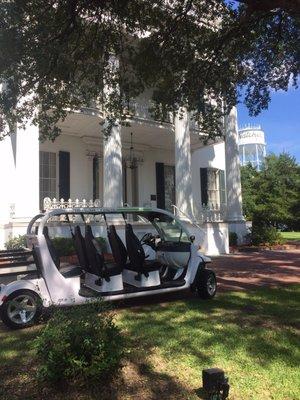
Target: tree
(249, 177)
(272, 195)
(60, 55)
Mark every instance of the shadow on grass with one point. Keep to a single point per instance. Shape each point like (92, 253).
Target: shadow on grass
(18, 368)
(251, 329)
(259, 323)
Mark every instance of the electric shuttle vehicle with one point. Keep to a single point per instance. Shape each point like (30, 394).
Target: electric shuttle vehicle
(150, 251)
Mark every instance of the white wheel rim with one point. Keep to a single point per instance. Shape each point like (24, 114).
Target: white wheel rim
(22, 309)
(211, 285)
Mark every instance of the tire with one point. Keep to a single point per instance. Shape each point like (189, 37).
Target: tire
(21, 309)
(207, 284)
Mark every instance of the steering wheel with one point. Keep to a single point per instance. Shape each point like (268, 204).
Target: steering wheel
(148, 239)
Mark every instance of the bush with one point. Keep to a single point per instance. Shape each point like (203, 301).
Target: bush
(77, 343)
(18, 242)
(65, 246)
(233, 239)
(263, 232)
(102, 242)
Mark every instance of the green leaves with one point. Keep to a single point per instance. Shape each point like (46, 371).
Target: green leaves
(273, 194)
(80, 343)
(58, 57)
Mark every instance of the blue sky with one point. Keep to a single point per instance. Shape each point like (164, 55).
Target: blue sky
(281, 122)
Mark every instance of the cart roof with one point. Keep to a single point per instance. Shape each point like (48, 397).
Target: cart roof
(147, 211)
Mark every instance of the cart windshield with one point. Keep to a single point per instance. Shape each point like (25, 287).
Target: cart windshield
(169, 228)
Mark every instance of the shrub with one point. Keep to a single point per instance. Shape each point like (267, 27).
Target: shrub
(263, 232)
(18, 242)
(78, 343)
(265, 235)
(65, 246)
(102, 242)
(233, 239)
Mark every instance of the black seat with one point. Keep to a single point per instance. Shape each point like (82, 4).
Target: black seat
(52, 250)
(137, 255)
(80, 249)
(118, 249)
(98, 265)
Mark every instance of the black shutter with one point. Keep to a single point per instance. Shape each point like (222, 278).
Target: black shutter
(160, 185)
(64, 175)
(203, 182)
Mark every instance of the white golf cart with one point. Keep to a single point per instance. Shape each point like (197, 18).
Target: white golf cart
(164, 259)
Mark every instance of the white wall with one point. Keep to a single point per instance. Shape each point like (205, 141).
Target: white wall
(81, 166)
(26, 191)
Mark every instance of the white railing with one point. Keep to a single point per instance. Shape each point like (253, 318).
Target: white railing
(51, 204)
(207, 213)
(142, 110)
(212, 212)
(178, 213)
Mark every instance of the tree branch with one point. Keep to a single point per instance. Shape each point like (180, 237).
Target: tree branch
(290, 6)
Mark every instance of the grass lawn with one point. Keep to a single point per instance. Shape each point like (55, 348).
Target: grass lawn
(290, 235)
(253, 335)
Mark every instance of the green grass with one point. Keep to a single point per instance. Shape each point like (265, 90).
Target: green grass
(291, 235)
(253, 336)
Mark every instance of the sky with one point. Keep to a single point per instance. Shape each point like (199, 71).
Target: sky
(280, 122)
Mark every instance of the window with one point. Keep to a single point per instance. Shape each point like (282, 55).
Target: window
(47, 176)
(212, 186)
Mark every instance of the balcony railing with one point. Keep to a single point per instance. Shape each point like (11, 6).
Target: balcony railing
(139, 110)
(51, 204)
(212, 213)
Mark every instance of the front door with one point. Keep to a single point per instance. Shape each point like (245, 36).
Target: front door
(165, 186)
(169, 186)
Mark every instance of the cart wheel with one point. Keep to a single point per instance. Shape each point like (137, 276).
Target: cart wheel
(21, 309)
(207, 284)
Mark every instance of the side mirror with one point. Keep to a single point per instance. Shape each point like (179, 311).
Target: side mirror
(192, 238)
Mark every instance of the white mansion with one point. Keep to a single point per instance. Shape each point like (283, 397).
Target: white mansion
(149, 163)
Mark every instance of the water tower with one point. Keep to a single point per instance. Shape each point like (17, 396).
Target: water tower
(252, 146)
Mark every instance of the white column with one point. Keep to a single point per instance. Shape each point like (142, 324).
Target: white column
(7, 176)
(183, 173)
(112, 168)
(233, 176)
(26, 191)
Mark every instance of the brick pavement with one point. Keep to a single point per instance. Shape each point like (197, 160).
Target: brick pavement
(264, 268)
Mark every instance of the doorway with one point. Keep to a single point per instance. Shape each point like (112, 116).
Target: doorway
(165, 186)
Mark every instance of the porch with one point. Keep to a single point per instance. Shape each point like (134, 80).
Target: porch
(149, 163)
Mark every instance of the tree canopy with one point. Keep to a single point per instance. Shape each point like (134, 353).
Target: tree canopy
(273, 194)
(60, 55)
